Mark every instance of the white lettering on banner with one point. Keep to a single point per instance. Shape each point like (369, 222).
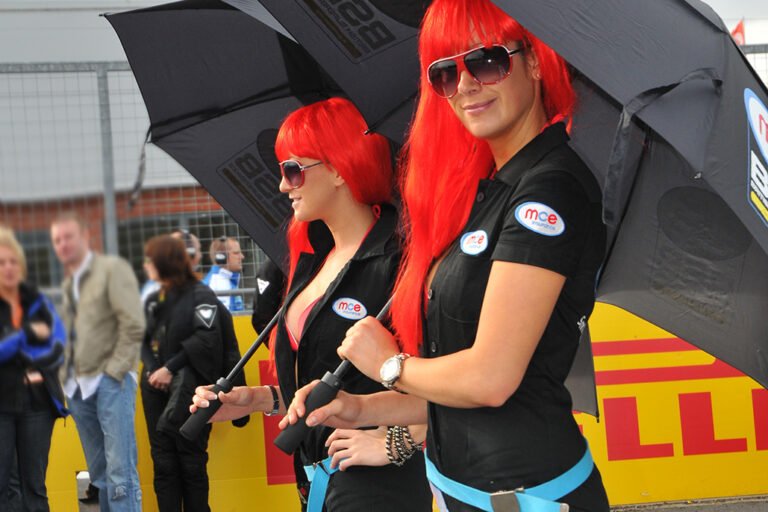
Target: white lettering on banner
(758, 185)
(757, 114)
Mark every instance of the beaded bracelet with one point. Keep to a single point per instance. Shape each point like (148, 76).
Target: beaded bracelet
(390, 452)
(409, 438)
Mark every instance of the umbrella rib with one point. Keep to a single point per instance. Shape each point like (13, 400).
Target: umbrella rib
(212, 113)
(373, 126)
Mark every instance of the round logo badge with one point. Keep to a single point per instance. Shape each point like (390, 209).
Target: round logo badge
(474, 243)
(540, 219)
(349, 308)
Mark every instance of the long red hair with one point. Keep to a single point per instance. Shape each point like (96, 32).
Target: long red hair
(333, 131)
(442, 162)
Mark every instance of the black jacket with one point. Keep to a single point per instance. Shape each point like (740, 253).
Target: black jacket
(365, 282)
(270, 286)
(17, 396)
(184, 335)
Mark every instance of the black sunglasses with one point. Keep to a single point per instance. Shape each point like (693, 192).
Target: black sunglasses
(293, 172)
(487, 65)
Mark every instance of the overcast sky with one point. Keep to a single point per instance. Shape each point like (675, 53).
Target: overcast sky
(733, 9)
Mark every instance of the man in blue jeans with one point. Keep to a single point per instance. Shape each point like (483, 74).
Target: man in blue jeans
(103, 315)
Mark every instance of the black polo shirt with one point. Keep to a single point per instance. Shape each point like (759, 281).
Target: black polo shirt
(543, 209)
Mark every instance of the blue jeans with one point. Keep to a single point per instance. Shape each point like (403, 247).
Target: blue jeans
(105, 423)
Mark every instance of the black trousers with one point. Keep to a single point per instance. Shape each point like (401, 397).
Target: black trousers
(25, 440)
(181, 476)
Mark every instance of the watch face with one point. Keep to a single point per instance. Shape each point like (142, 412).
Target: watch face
(390, 369)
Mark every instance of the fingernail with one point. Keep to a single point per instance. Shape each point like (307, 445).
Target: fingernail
(311, 421)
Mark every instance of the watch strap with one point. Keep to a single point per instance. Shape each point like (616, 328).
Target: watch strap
(275, 401)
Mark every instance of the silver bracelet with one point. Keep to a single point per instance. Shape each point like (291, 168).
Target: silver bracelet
(391, 449)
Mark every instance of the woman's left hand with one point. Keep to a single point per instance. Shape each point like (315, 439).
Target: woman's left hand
(161, 379)
(41, 330)
(367, 345)
(358, 448)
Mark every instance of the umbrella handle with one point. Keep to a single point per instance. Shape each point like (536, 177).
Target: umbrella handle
(322, 394)
(326, 390)
(191, 428)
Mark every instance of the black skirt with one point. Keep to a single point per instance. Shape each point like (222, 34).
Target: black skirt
(380, 489)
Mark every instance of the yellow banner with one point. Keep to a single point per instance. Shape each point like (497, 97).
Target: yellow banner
(676, 424)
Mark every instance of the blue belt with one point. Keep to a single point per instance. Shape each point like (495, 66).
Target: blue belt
(534, 499)
(318, 474)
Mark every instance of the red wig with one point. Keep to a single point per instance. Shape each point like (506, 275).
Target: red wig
(333, 131)
(442, 157)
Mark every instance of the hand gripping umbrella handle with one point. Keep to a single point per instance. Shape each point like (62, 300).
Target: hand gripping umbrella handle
(326, 390)
(194, 425)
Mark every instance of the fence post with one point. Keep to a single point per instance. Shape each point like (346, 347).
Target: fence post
(108, 164)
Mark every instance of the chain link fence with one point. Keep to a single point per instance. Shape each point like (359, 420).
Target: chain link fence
(70, 139)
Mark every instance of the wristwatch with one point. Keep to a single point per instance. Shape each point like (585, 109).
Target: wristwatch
(391, 369)
(275, 402)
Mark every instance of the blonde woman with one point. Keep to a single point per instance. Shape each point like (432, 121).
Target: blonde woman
(31, 343)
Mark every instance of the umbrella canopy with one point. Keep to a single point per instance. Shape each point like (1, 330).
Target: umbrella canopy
(217, 83)
(684, 172)
(672, 120)
(368, 47)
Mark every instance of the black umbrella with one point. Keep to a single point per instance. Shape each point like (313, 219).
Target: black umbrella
(217, 84)
(368, 47)
(672, 120)
(684, 173)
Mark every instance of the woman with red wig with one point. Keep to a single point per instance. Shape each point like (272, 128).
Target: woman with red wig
(504, 243)
(344, 255)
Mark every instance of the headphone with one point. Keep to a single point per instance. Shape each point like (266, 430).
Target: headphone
(188, 243)
(220, 256)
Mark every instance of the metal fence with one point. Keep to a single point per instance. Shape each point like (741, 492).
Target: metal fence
(70, 139)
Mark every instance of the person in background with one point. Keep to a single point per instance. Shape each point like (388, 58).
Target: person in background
(102, 312)
(192, 245)
(182, 349)
(225, 274)
(494, 293)
(30, 355)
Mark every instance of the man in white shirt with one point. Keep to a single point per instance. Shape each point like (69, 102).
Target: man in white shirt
(102, 312)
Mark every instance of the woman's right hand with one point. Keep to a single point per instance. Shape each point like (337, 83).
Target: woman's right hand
(342, 412)
(235, 404)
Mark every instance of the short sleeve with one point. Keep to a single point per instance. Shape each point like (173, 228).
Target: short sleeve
(546, 224)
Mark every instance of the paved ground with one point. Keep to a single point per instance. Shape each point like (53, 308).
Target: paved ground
(751, 504)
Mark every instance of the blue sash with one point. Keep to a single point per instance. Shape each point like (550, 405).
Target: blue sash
(540, 498)
(318, 474)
